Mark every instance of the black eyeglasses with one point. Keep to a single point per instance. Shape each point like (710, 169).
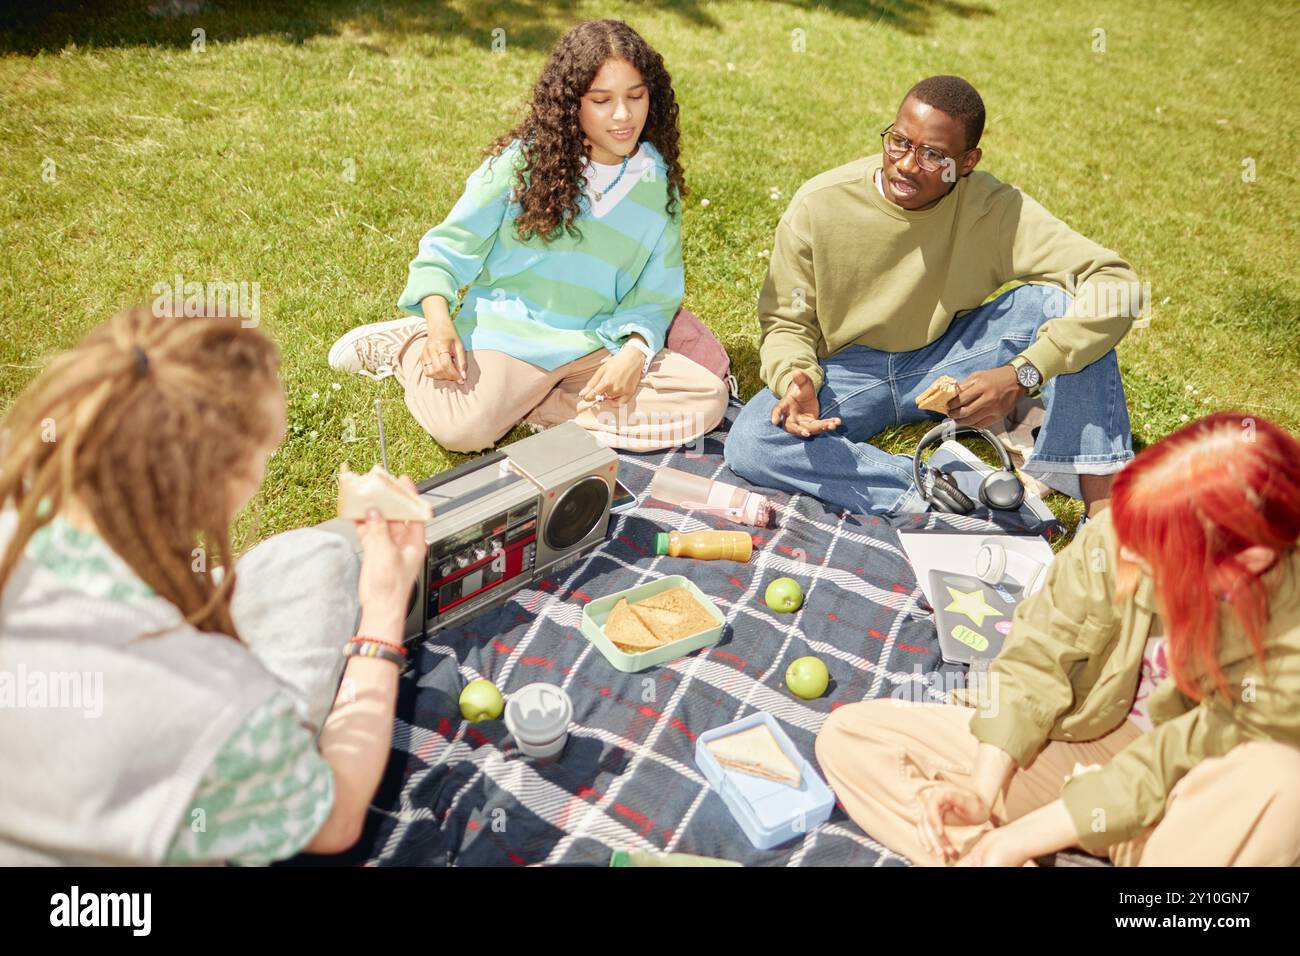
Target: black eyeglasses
(896, 146)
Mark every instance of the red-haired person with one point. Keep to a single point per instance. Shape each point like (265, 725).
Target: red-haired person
(1146, 705)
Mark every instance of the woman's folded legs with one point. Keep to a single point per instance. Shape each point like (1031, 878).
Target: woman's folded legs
(880, 755)
(497, 393)
(678, 401)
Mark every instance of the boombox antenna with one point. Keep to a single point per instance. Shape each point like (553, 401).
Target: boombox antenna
(383, 446)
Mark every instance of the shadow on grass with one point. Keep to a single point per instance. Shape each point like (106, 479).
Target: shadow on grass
(528, 24)
(909, 16)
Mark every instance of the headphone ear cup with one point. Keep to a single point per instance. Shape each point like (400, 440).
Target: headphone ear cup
(948, 497)
(1002, 490)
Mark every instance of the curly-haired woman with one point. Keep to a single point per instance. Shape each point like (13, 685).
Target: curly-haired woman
(568, 237)
(152, 709)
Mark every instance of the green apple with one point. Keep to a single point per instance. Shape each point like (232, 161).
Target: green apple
(480, 700)
(807, 678)
(784, 595)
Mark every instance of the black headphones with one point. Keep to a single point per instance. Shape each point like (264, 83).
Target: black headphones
(1002, 490)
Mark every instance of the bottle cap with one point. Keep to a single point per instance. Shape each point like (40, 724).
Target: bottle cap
(757, 511)
(661, 542)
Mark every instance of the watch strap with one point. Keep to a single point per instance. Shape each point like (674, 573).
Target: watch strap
(1017, 363)
(645, 349)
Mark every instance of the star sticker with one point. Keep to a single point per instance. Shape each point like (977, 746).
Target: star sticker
(972, 604)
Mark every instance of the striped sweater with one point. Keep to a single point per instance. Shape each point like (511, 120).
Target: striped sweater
(552, 303)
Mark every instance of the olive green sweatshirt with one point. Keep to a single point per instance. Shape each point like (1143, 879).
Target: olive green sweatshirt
(851, 267)
(1069, 671)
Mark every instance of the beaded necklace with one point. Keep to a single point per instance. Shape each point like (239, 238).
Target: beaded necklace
(600, 193)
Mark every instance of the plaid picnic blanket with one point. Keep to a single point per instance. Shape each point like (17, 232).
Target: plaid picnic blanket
(460, 793)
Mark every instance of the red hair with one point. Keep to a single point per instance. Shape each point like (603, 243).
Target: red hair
(1189, 506)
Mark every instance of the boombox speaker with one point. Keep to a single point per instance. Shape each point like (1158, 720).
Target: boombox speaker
(505, 520)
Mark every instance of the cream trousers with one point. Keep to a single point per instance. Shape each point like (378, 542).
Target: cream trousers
(678, 401)
(1242, 809)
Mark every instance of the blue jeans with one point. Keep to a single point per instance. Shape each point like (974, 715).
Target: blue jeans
(1085, 432)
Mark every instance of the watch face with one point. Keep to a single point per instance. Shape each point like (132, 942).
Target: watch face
(1028, 376)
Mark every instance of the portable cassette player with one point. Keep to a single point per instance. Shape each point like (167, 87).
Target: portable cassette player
(505, 520)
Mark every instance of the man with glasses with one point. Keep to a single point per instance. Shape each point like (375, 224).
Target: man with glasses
(877, 286)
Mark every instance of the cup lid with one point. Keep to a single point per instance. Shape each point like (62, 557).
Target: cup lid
(539, 713)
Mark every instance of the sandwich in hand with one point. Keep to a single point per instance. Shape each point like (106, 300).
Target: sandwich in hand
(936, 398)
(378, 489)
(756, 752)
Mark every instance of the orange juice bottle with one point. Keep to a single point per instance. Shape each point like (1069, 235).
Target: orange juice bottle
(705, 545)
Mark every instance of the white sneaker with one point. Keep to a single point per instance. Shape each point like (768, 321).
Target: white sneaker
(371, 350)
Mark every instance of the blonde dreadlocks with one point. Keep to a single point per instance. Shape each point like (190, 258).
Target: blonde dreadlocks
(145, 420)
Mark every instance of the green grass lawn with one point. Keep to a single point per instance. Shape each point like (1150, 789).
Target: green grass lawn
(127, 158)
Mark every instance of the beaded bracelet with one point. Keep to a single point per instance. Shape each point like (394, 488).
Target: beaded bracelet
(367, 639)
(370, 649)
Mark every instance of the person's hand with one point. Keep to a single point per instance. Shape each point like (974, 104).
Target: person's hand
(443, 357)
(986, 398)
(999, 847)
(392, 553)
(946, 803)
(799, 408)
(1046, 830)
(618, 377)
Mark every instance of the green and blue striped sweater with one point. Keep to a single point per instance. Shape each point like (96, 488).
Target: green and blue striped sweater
(552, 303)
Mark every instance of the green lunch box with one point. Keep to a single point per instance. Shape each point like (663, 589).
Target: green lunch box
(597, 611)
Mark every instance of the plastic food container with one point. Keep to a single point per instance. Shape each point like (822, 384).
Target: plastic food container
(538, 716)
(770, 813)
(597, 611)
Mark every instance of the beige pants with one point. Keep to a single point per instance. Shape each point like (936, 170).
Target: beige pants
(1242, 809)
(679, 400)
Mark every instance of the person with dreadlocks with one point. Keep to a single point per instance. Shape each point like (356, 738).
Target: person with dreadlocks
(568, 237)
(1146, 703)
(219, 729)
(880, 282)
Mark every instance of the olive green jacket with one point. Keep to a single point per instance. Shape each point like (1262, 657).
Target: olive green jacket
(1069, 671)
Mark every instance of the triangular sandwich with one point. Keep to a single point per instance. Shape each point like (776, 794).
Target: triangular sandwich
(626, 631)
(673, 614)
(756, 752)
(378, 489)
(936, 398)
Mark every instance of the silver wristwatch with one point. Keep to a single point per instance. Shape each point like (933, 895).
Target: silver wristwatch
(1027, 374)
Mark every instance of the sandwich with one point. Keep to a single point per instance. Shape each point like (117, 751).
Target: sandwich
(378, 489)
(657, 620)
(673, 614)
(936, 398)
(756, 752)
(627, 632)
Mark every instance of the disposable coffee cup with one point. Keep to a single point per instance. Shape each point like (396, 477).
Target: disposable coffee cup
(538, 716)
